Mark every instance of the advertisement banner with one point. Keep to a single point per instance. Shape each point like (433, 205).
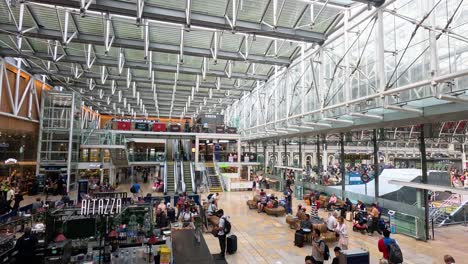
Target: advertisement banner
(141, 126)
(124, 125)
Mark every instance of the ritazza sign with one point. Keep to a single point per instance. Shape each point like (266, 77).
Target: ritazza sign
(104, 206)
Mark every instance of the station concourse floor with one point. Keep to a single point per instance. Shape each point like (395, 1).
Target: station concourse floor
(268, 239)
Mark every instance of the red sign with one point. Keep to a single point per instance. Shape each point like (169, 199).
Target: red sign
(159, 127)
(124, 125)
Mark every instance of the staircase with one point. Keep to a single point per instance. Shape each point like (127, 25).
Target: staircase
(119, 157)
(441, 212)
(170, 178)
(188, 177)
(215, 183)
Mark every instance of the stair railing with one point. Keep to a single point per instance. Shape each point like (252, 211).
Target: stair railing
(175, 177)
(192, 177)
(182, 177)
(218, 173)
(165, 177)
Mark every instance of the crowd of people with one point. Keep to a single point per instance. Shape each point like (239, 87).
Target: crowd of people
(459, 178)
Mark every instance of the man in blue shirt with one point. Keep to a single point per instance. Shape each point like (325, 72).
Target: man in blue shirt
(135, 189)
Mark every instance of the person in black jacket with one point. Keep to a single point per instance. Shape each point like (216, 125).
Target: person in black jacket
(26, 245)
(161, 220)
(337, 255)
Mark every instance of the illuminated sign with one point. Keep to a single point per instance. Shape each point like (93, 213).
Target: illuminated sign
(11, 161)
(102, 206)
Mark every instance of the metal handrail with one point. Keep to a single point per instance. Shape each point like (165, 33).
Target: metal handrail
(175, 177)
(218, 173)
(165, 177)
(182, 177)
(192, 177)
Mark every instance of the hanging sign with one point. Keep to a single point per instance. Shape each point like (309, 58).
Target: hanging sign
(103, 206)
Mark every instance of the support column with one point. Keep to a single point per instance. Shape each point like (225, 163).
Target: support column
(325, 155)
(300, 153)
(239, 150)
(265, 159)
(463, 157)
(342, 166)
(319, 165)
(197, 149)
(376, 163)
(285, 161)
(425, 203)
(70, 141)
(273, 169)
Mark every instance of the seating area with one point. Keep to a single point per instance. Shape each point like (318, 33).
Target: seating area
(268, 209)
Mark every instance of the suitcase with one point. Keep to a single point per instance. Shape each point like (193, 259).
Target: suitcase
(299, 239)
(349, 216)
(231, 246)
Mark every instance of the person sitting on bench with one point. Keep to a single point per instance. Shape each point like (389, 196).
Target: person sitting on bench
(331, 202)
(306, 224)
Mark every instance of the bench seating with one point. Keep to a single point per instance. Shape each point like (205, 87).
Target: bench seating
(252, 204)
(280, 210)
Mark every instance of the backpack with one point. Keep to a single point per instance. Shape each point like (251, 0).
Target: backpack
(209, 196)
(132, 189)
(227, 226)
(394, 252)
(326, 251)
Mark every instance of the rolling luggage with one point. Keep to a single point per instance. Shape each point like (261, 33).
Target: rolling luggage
(349, 216)
(299, 239)
(231, 246)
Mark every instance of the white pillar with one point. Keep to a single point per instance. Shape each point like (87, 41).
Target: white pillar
(325, 159)
(238, 150)
(463, 157)
(197, 148)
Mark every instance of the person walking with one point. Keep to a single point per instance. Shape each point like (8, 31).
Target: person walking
(26, 245)
(318, 248)
(135, 190)
(342, 232)
(375, 215)
(17, 198)
(221, 233)
(10, 197)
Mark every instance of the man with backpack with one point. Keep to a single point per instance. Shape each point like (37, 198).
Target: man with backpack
(224, 228)
(320, 251)
(390, 250)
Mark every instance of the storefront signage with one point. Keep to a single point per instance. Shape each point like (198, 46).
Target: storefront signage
(95, 166)
(11, 161)
(103, 206)
(134, 120)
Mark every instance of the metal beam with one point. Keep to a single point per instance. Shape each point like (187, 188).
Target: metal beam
(88, 75)
(131, 64)
(201, 20)
(48, 34)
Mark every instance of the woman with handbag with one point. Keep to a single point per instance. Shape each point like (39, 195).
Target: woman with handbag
(342, 233)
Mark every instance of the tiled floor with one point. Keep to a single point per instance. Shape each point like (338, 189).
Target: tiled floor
(268, 239)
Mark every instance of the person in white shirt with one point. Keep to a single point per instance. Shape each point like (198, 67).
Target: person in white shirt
(212, 208)
(343, 233)
(221, 234)
(331, 222)
(10, 196)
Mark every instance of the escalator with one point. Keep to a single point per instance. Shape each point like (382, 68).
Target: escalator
(170, 177)
(188, 177)
(170, 150)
